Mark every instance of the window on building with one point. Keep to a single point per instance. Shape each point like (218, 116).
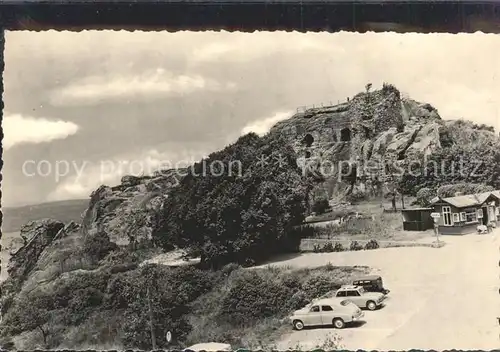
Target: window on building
(447, 216)
(462, 216)
(470, 215)
(456, 217)
(480, 213)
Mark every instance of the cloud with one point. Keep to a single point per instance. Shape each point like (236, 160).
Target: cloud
(158, 83)
(262, 126)
(19, 129)
(244, 47)
(89, 176)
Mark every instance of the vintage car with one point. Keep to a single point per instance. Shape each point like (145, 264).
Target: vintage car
(371, 283)
(328, 311)
(360, 297)
(209, 347)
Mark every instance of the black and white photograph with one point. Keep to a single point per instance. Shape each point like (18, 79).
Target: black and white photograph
(225, 191)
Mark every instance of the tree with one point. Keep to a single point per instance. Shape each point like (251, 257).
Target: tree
(462, 188)
(238, 216)
(469, 162)
(156, 300)
(31, 312)
(320, 205)
(424, 197)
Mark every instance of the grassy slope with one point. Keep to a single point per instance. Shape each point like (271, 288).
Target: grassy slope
(69, 210)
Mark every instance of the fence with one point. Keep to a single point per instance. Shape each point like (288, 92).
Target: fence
(316, 106)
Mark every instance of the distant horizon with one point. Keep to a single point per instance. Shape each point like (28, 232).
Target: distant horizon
(19, 205)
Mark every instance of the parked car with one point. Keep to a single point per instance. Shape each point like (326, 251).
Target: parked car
(371, 283)
(209, 347)
(328, 311)
(360, 297)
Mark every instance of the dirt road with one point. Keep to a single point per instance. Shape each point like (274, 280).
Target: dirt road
(440, 298)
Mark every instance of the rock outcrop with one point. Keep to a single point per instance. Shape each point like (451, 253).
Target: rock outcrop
(370, 130)
(127, 212)
(37, 235)
(371, 125)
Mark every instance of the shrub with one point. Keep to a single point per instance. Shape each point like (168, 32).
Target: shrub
(320, 206)
(253, 297)
(424, 196)
(298, 300)
(327, 248)
(319, 285)
(372, 244)
(338, 247)
(355, 246)
(98, 246)
(317, 248)
(463, 188)
(356, 196)
(229, 268)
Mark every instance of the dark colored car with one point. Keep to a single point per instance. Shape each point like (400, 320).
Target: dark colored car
(371, 283)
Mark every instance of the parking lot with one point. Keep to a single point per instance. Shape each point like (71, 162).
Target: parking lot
(440, 298)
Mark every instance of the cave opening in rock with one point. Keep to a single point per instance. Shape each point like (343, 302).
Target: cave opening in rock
(366, 131)
(345, 135)
(308, 140)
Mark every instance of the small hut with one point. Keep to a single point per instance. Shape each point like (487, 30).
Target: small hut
(417, 219)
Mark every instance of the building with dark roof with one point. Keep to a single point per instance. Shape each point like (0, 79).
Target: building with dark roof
(462, 214)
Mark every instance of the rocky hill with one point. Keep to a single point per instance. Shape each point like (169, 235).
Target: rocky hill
(127, 212)
(80, 261)
(371, 128)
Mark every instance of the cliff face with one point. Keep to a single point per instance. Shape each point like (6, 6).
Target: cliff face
(36, 235)
(371, 125)
(370, 129)
(127, 212)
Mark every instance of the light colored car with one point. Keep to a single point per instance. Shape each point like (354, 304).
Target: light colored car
(328, 311)
(209, 347)
(361, 298)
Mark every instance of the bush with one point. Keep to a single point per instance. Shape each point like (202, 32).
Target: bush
(98, 246)
(320, 206)
(253, 297)
(355, 246)
(298, 300)
(356, 196)
(327, 248)
(229, 268)
(463, 188)
(319, 285)
(372, 244)
(338, 247)
(424, 196)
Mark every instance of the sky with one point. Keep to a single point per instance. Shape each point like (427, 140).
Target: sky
(85, 108)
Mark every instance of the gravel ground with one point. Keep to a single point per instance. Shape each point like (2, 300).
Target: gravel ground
(444, 298)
